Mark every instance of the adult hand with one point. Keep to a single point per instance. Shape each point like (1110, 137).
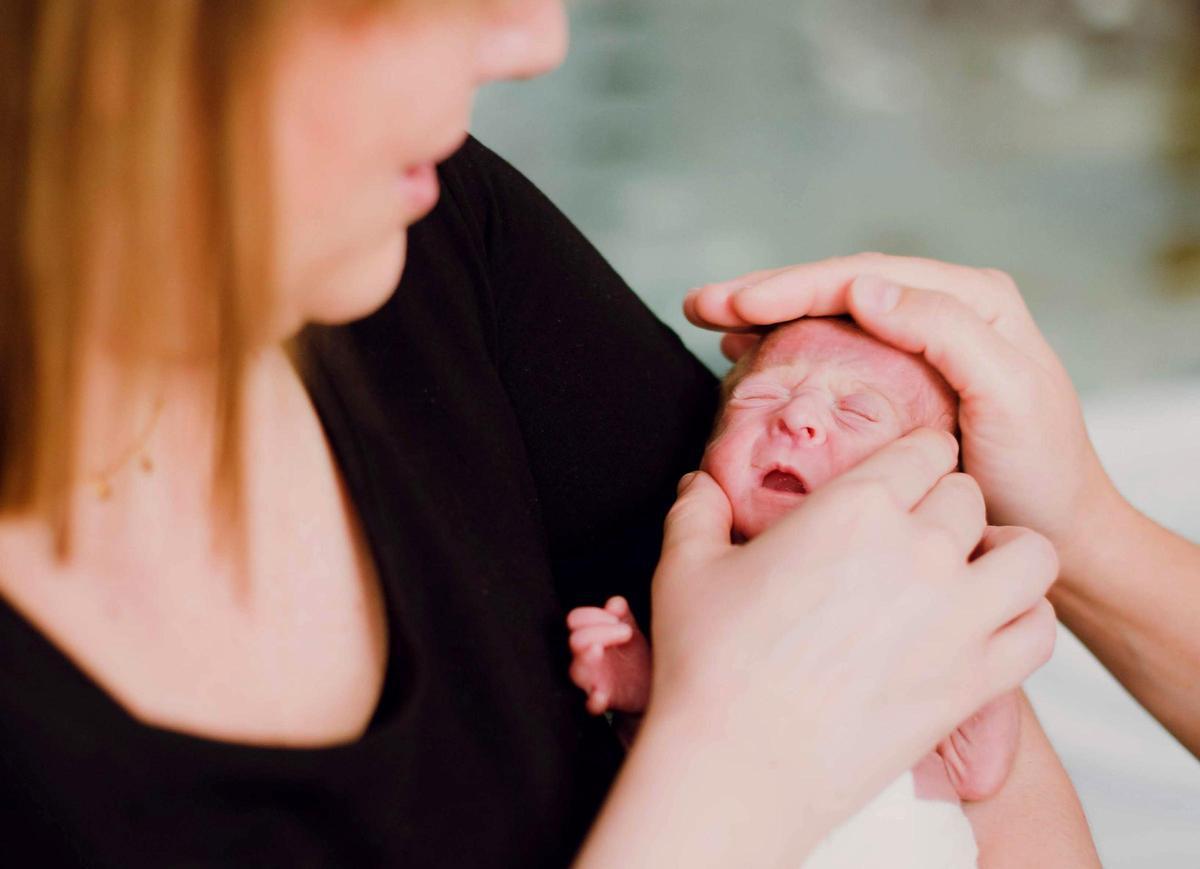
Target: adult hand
(841, 644)
(1023, 436)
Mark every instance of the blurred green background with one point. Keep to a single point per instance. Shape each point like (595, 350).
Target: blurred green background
(693, 140)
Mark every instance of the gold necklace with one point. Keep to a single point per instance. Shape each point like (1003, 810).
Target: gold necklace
(101, 481)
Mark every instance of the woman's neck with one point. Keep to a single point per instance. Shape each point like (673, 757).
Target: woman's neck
(145, 456)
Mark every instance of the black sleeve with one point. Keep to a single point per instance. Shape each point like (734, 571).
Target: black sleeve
(613, 408)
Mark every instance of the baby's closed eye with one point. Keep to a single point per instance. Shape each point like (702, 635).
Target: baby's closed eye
(861, 408)
(758, 395)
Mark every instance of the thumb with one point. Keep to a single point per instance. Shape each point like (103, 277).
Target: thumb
(972, 356)
(699, 524)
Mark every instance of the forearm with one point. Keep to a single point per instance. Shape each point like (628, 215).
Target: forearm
(1131, 592)
(684, 798)
(1035, 819)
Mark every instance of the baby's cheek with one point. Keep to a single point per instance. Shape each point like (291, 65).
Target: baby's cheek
(720, 460)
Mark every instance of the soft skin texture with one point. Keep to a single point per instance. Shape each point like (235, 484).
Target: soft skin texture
(819, 397)
(290, 647)
(1038, 801)
(363, 109)
(157, 616)
(759, 682)
(816, 398)
(1024, 441)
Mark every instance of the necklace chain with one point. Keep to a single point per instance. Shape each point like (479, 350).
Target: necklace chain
(101, 482)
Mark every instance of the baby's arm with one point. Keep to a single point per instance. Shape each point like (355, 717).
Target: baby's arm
(611, 657)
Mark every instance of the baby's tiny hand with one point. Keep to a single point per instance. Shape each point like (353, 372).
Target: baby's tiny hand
(611, 657)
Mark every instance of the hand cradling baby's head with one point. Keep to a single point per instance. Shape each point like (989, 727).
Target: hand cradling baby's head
(816, 397)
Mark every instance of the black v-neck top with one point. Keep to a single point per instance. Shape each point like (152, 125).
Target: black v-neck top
(510, 425)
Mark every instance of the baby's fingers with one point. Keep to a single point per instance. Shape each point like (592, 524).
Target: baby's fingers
(618, 607)
(597, 702)
(587, 616)
(587, 670)
(599, 635)
(588, 674)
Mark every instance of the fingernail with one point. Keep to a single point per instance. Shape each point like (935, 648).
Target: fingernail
(876, 294)
(684, 482)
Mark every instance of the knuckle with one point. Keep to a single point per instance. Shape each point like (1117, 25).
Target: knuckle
(1041, 550)
(965, 489)
(1007, 292)
(940, 541)
(867, 493)
(1044, 633)
(944, 308)
(679, 511)
(1002, 281)
(863, 261)
(930, 449)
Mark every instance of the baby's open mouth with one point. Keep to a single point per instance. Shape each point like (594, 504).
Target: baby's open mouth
(784, 481)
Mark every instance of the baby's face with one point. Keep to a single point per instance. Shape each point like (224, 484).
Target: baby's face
(819, 397)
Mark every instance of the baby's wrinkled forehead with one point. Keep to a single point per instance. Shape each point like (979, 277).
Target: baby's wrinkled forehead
(836, 342)
(824, 338)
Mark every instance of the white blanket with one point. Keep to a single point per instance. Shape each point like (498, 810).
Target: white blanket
(899, 831)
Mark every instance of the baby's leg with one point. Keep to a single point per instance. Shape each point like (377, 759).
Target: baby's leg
(979, 753)
(931, 781)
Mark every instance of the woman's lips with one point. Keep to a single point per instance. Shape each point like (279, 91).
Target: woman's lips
(784, 481)
(419, 187)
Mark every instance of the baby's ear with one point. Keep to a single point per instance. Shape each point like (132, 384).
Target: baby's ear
(735, 345)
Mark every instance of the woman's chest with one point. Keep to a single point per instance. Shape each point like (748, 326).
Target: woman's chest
(281, 642)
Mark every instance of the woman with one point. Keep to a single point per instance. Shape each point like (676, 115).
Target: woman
(273, 587)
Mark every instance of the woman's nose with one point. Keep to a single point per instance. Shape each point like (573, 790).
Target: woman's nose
(523, 39)
(801, 420)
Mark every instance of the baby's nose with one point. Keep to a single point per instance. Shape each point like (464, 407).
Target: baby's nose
(801, 420)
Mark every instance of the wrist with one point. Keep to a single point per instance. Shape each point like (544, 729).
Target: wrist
(1099, 513)
(693, 793)
(1105, 525)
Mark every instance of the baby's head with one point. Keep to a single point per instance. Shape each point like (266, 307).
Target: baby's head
(816, 397)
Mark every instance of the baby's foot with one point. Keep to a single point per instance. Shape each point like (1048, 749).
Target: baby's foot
(611, 657)
(979, 753)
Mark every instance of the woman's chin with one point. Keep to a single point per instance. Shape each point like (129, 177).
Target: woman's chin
(354, 293)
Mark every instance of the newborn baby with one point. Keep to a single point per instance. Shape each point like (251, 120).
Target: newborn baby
(816, 397)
